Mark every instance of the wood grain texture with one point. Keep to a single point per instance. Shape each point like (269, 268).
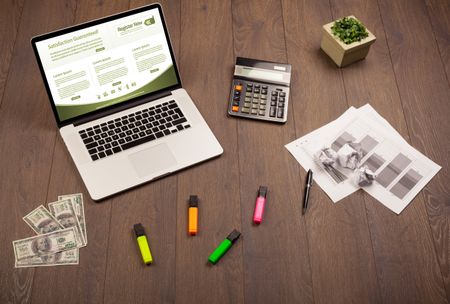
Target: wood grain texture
(355, 251)
(153, 205)
(373, 81)
(335, 231)
(425, 94)
(83, 284)
(206, 61)
(276, 258)
(10, 15)
(27, 133)
(438, 12)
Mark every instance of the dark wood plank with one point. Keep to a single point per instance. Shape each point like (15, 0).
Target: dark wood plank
(127, 279)
(401, 265)
(343, 267)
(425, 93)
(206, 61)
(153, 205)
(27, 133)
(83, 283)
(439, 15)
(9, 26)
(276, 257)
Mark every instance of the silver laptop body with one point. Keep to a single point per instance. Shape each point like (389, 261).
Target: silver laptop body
(118, 101)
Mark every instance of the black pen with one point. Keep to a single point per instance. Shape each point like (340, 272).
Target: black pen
(309, 179)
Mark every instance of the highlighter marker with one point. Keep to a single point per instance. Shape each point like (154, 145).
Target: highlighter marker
(224, 247)
(143, 244)
(193, 215)
(259, 205)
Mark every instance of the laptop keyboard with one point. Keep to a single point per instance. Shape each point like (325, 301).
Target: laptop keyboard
(134, 129)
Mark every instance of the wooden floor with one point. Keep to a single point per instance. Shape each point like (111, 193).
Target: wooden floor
(356, 251)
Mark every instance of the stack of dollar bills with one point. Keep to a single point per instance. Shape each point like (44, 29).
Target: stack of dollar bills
(61, 231)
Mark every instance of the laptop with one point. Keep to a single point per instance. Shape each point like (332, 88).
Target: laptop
(118, 101)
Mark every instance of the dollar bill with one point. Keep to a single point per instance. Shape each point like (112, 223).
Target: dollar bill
(77, 199)
(45, 244)
(42, 221)
(68, 257)
(64, 212)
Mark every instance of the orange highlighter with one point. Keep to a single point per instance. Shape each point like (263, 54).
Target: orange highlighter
(193, 215)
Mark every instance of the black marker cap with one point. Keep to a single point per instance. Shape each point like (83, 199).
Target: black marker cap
(262, 191)
(193, 201)
(139, 230)
(234, 235)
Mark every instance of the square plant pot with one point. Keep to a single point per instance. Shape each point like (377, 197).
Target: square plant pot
(341, 53)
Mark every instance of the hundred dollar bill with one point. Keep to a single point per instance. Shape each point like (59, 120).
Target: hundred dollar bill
(45, 244)
(42, 221)
(64, 212)
(68, 257)
(77, 199)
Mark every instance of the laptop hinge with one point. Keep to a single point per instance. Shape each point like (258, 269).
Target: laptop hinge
(120, 108)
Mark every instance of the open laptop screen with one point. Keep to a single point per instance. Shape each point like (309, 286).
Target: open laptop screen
(106, 62)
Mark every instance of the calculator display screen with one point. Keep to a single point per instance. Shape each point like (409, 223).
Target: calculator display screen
(261, 74)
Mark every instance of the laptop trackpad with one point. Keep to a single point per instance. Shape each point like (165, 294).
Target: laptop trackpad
(151, 160)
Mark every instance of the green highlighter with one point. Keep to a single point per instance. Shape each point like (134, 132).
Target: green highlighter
(224, 247)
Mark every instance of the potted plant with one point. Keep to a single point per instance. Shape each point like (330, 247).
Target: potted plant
(346, 40)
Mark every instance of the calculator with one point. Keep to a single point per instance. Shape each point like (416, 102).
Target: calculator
(260, 90)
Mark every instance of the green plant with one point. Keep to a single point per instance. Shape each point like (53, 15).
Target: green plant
(349, 30)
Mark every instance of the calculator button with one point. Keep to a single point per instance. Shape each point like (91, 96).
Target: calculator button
(254, 111)
(264, 87)
(236, 98)
(246, 110)
(250, 84)
(281, 98)
(274, 93)
(282, 94)
(256, 90)
(235, 103)
(249, 89)
(255, 106)
(262, 112)
(248, 94)
(235, 109)
(255, 95)
(247, 99)
(262, 107)
(280, 112)
(273, 103)
(237, 93)
(257, 86)
(272, 111)
(281, 104)
(238, 87)
(264, 97)
(263, 102)
(247, 105)
(274, 98)
(263, 91)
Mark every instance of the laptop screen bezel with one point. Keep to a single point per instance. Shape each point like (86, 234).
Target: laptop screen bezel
(127, 103)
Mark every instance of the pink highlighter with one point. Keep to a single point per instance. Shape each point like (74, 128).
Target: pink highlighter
(259, 205)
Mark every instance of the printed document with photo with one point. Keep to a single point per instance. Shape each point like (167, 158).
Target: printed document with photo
(400, 171)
